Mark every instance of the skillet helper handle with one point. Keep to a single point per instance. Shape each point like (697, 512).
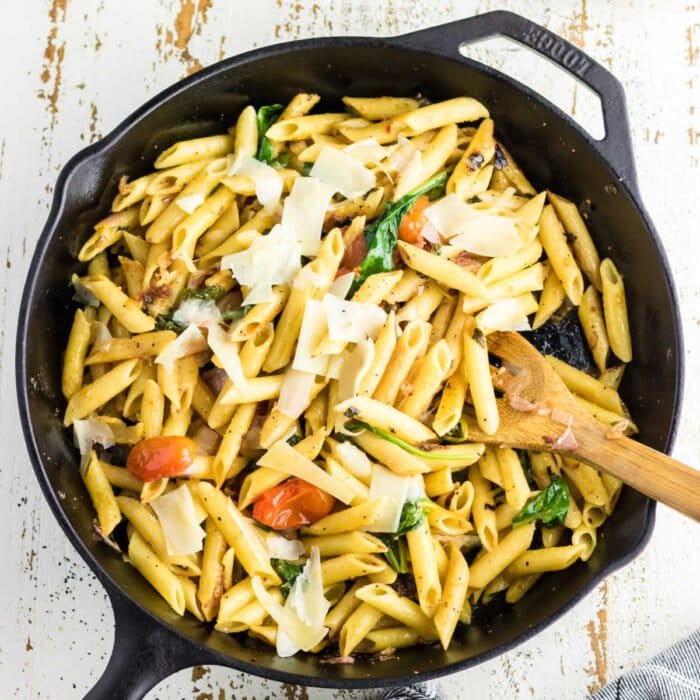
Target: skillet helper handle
(616, 146)
(653, 473)
(144, 653)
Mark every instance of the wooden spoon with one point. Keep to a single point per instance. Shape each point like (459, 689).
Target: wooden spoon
(653, 473)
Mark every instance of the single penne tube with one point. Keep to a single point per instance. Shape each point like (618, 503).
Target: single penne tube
(590, 314)
(91, 396)
(251, 615)
(615, 310)
(202, 398)
(219, 231)
(614, 487)
(502, 267)
(108, 232)
(121, 478)
(472, 172)
(368, 205)
(138, 248)
(74, 357)
(387, 418)
(441, 270)
(260, 315)
(453, 336)
(447, 522)
(518, 588)
(178, 421)
(410, 345)
(101, 495)
(476, 365)
(211, 581)
(483, 510)
(136, 346)
(408, 285)
(438, 483)
(376, 287)
(131, 192)
(391, 456)
(234, 599)
(170, 181)
(422, 305)
(239, 532)
(385, 131)
(425, 567)
(354, 542)
(440, 320)
(400, 608)
(350, 566)
(126, 310)
(189, 589)
(451, 406)
(379, 108)
(384, 347)
(378, 640)
(584, 249)
(152, 410)
(157, 573)
(513, 477)
(356, 518)
(454, 595)
(304, 127)
(152, 206)
(142, 518)
(355, 628)
(593, 515)
(231, 443)
(551, 536)
(246, 136)
(257, 482)
(302, 103)
(462, 499)
(427, 381)
(257, 389)
(586, 386)
(504, 515)
(490, 564)
(255, 349)
(133, 273)
(194, 150)
(553, 239)
(434, 116)
(587, 480)
(585, 538)
(551, 299)
(539, 561)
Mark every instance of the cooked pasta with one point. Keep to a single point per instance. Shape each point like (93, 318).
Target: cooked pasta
(285, 326)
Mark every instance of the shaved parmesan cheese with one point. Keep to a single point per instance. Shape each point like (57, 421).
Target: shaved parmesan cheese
(90, 431)
(472, 230)
(281, 548)
(343, 173)
(300, 620)
(313, 330)
(304, 211)
(200, 312)
(99, 334)
(189, 342)
(503, 315)
(268, 182)
(271, 259)
(189, 204)
(295, 392)
(227, 352)
(352, 321)
(82, 294)
(396, 490)
(367, 151)
(356, 363)
(178, 519)
(401, 156)
(341, 285)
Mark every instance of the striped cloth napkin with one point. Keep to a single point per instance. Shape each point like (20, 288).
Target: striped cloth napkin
(672, 675)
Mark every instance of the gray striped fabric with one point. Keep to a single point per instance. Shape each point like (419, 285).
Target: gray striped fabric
(672, 675)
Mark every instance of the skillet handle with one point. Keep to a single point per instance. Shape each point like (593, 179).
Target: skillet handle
(144, 653)
(616, 146)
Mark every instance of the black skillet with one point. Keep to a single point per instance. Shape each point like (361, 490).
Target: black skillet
(150, 641)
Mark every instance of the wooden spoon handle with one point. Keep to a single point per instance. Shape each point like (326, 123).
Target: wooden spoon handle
(653, 473)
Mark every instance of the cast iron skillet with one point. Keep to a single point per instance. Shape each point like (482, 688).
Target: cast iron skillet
(150, 641)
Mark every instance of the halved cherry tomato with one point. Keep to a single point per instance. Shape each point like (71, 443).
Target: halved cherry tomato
(157, 457)
(292, 504)
(413, 221)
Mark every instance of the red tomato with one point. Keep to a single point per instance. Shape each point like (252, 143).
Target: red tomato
(413, 221)
(355, 254)
(292, 504)
(157, 457)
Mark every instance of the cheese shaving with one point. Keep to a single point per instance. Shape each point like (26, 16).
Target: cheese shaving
(268, 182)
(295, 392)
(200, 312)
(189, 342)
(304, 211)
(178, 520)
(343, 173)
(351, 321)
(189, 204)
(227, 352)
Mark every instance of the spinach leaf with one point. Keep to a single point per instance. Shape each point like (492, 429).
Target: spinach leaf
(356, 425)
(460, 433)
(550, 506)
(235, 314)
(396, 552)
(382, 233)
(166, 323)
(213, 293)
(266, 116)
(412, 515)
(288, 572)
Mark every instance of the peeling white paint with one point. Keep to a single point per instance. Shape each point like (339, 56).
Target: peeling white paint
(55, 638)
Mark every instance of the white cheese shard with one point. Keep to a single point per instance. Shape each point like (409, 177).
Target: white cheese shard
(280, 547)
(178, 520)
(304, 211)
(271, 259)
(472, 230)
(356, 364)
(200, 312)
(396, 491)
(189, 204)
(368, 151)
(268, 182)
(352, 321)
(313, 330)
(341, 285)
(189, 342)
(82, 294)
(343, 173)
(295, 392)
(503, 315)
(300, 620)
(227, 352)
(89, 431)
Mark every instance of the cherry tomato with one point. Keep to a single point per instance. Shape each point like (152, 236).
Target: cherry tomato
(292, 504)
(157, 457)
(355, 253)
(413, 221)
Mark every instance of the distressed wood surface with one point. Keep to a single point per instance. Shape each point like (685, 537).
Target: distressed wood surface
(72, 69)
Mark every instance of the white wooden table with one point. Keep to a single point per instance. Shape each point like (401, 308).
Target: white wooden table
(72, 69)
